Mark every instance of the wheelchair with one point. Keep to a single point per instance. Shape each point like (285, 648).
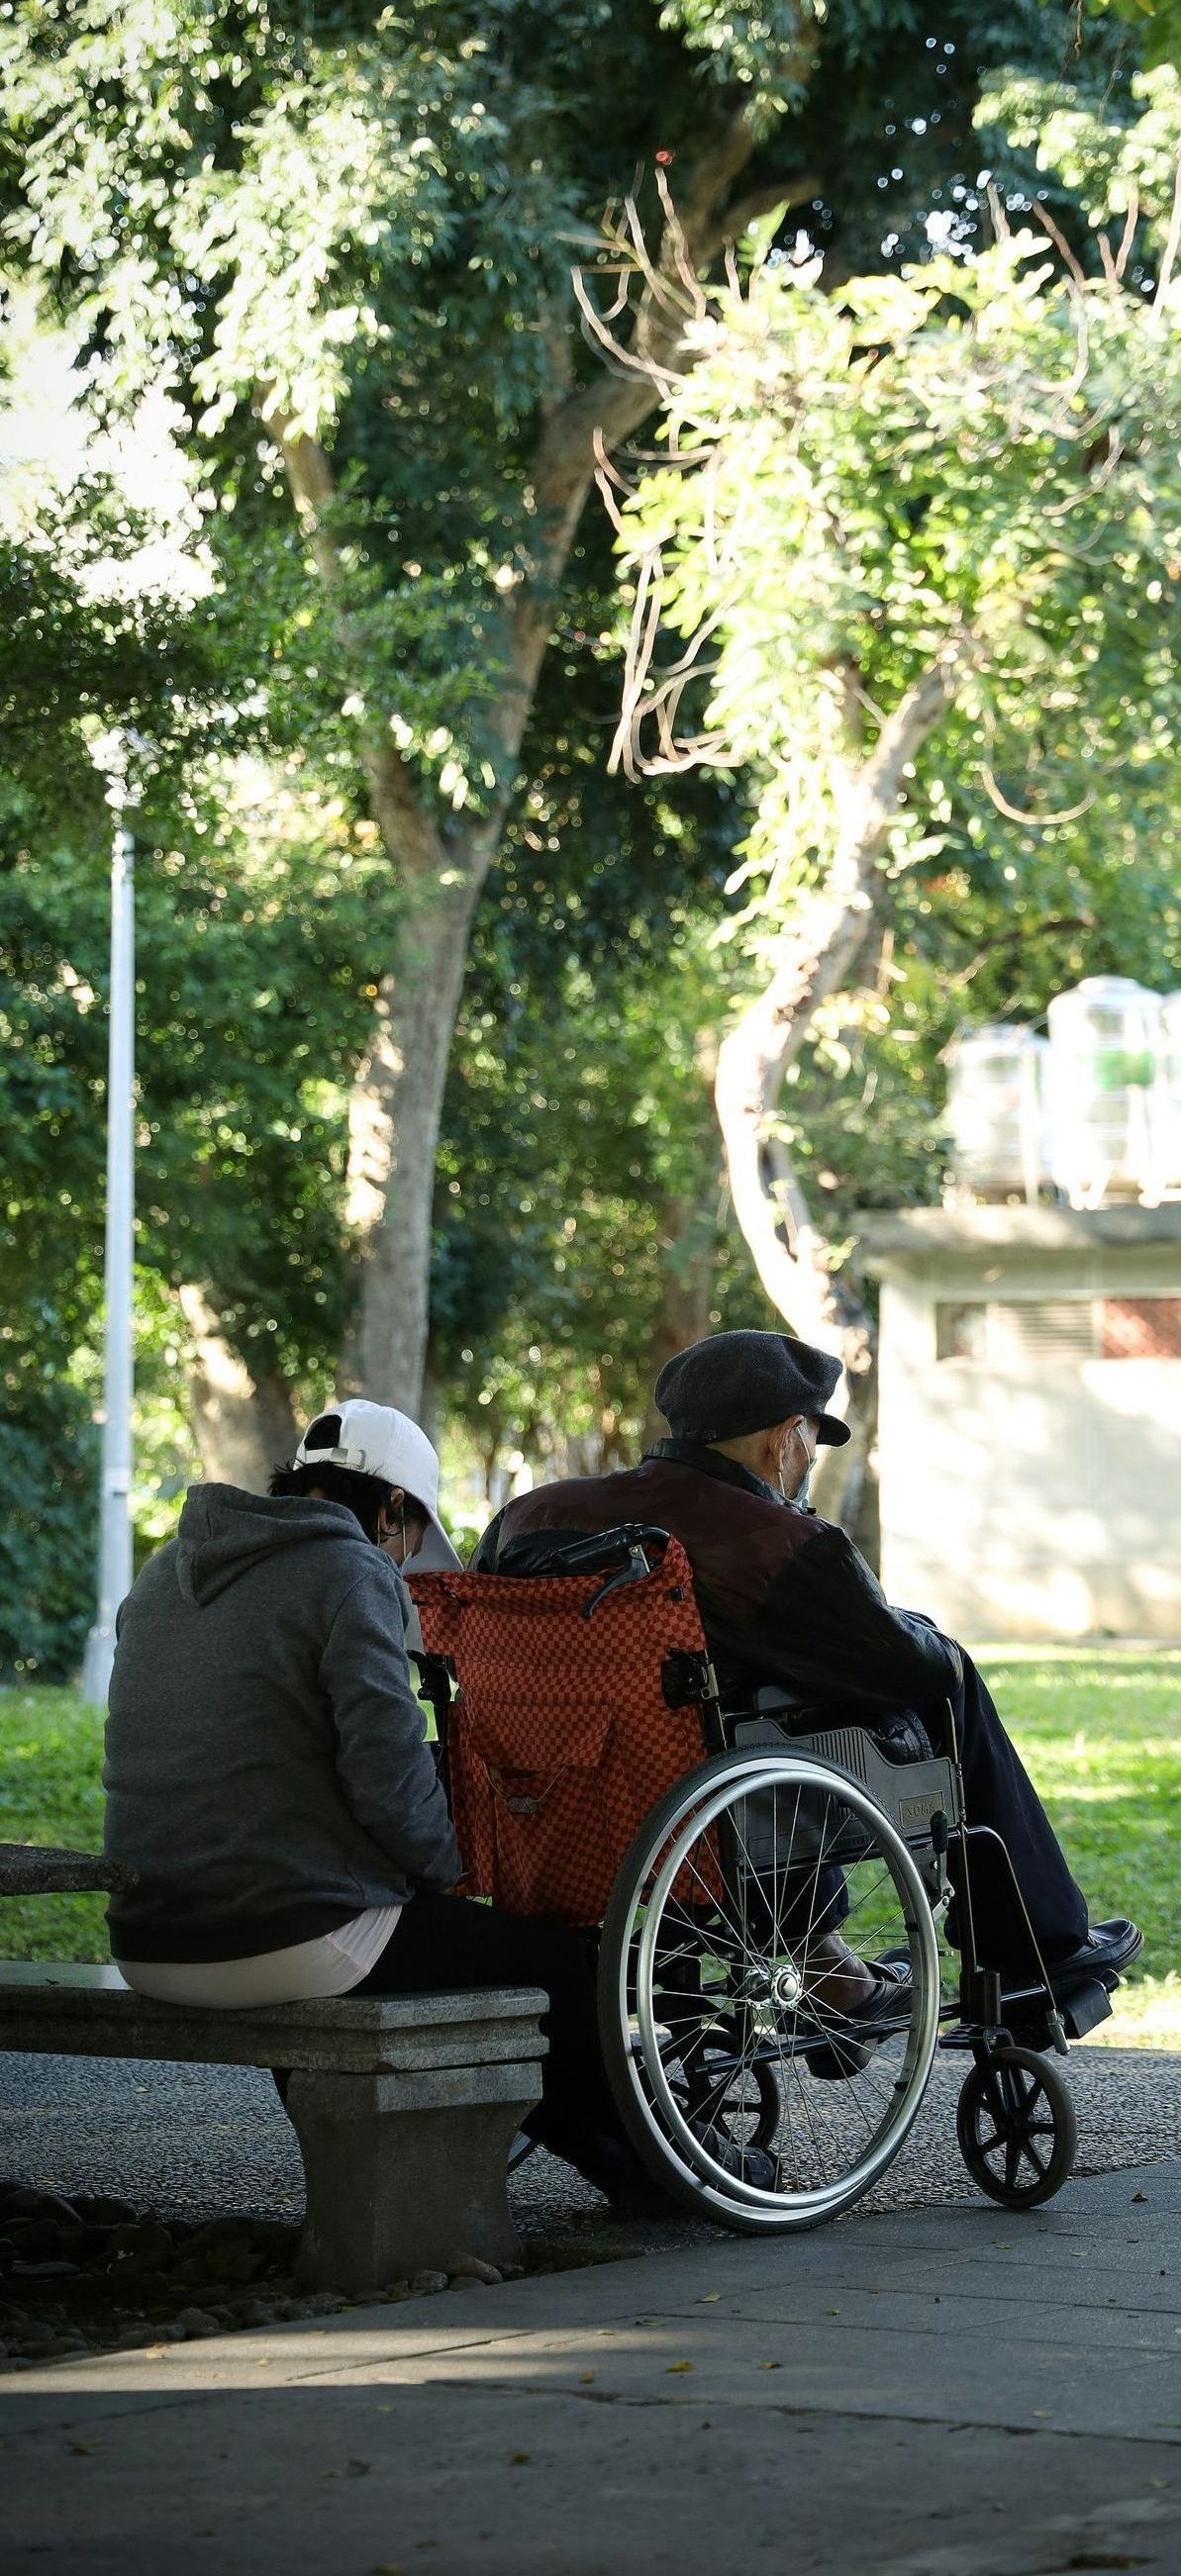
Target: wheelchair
(707, 1851)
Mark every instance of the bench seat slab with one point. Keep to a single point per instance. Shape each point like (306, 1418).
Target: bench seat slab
(404, 2106)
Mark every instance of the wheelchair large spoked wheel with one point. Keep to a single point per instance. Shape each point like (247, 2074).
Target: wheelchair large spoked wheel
(719, 2007)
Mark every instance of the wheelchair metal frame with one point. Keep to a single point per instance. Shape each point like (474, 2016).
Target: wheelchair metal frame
(920, 1802)
(924, 1800)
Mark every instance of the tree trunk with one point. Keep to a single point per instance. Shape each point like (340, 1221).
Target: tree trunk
(244, 1426)
(817, 949)
(393, 1132)
(441, 865)
(687, 1234)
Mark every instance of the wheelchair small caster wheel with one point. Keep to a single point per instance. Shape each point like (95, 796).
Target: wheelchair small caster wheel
(741, 2102)
(1016, 2127)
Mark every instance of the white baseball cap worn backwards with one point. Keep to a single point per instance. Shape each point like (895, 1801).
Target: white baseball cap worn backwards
(376, 1440)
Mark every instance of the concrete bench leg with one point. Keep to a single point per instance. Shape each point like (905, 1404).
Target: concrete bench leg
(405, 2172)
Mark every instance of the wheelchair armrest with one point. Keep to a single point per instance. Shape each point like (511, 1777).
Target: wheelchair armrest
(909, 1793)
(899, 1735)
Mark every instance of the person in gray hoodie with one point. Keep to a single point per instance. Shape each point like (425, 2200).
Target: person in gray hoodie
(268, 1777)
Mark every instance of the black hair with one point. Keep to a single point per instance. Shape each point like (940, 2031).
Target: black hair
(367, 1496)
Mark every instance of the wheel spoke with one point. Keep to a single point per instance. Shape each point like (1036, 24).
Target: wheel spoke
(706, 1965)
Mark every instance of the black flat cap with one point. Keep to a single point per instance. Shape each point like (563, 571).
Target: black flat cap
(740, 1382)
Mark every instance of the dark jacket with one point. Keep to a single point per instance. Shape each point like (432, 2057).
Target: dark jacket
(266, 1770)
(784, 1597)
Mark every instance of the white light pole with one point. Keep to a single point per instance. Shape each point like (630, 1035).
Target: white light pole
(114, 1550)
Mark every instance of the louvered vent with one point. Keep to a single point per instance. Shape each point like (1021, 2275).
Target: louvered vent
(1049, 1329)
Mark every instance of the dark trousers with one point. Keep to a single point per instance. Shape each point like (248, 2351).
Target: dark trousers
(997, 1792)
(444, 1943)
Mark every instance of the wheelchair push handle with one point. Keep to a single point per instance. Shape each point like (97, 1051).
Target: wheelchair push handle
(620, 1554)
(633, 1566)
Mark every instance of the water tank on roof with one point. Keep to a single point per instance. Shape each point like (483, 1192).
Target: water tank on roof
(994, 1111)
(1101, 1079)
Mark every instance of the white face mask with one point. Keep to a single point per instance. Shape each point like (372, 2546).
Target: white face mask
(800, 1494)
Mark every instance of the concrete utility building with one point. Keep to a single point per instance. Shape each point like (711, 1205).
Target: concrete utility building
(1030, 1433)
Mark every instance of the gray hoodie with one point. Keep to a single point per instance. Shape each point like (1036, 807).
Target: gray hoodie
(266, 1768)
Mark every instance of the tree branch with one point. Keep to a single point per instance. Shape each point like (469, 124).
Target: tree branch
(406, 824)
(738, 218)
(816, 949)
(1047, 929)
(597, 418)
(1172, 246)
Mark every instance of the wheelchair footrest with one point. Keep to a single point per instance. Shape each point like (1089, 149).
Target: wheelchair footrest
(1083, 2010)
(1024, 2014)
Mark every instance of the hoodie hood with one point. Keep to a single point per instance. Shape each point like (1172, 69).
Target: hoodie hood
(223, 1532)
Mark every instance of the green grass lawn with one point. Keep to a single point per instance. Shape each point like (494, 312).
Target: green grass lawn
(1100, 1733)
(1099, 1729)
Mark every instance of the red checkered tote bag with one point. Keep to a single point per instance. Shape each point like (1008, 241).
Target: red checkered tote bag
(561, 1736)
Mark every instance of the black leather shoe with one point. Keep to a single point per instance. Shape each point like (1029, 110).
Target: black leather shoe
(1109, 1948)
(848, 2042)
(749, 2164)
(642, 2199)
(633, 2194)
(615, 2169)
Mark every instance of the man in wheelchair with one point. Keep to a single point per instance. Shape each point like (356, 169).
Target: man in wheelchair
(795, 1620)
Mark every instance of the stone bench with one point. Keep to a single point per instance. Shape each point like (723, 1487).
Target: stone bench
(404, 2106)
(45, 1869)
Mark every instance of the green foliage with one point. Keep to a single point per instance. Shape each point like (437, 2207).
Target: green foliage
(51, 1751)
(768, 50)
(1157, 24)
(256, 944)
(48, 1521)
(1116, 162)
(980, 458)
(579, 1126)
(364, 220)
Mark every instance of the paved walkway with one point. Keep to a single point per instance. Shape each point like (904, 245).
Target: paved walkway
(940, 2392)
(192, 2141)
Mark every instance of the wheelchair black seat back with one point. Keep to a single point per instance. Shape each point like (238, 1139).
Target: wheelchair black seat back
(713, 1855)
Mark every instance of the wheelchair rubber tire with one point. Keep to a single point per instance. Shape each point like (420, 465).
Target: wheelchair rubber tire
(675, 2160)
(1022, 2095)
